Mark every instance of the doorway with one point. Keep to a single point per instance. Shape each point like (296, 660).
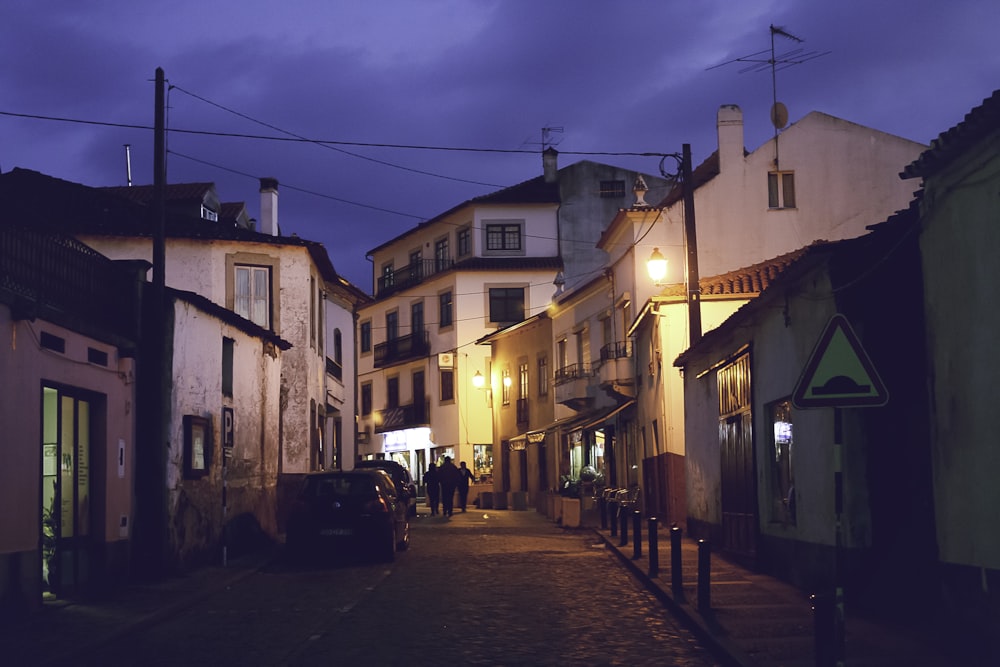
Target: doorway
(66, 500)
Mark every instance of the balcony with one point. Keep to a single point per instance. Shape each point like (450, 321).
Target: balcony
(402, 348)
(574, 386)
(412, 275)
(334, 369)
(404, 416)
(616, 374)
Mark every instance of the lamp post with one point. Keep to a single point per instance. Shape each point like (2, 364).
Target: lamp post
(657, 264)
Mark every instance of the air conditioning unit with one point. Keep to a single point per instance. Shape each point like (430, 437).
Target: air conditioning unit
(446, 360)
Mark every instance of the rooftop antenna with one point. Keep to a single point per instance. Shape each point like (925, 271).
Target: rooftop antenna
(128, 164)
(547, 137)
(768, 59)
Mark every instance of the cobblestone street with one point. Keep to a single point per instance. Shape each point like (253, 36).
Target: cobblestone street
(483, 588)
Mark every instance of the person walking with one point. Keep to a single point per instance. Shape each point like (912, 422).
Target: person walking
(433, 488)
(463, 485)
(449, 476)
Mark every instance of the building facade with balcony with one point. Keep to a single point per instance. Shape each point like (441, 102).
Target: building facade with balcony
(481, 266)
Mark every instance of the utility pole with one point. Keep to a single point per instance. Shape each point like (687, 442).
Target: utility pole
(691, 243)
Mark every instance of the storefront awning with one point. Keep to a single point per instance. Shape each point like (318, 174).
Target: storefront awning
(587, 419)
(519, 442)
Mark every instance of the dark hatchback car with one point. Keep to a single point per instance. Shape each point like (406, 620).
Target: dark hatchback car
(400, 477)
(348, 514)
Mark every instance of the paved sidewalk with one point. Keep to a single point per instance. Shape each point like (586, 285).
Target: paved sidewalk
(61, 630)
(759, 621)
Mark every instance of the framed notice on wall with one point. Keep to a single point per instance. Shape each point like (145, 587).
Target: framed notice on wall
(197, 446)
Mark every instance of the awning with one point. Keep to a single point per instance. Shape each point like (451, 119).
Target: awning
(588, 419)
(519, 442)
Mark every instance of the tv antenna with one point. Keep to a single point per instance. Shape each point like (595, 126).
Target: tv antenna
(767, 59)
(547, 137)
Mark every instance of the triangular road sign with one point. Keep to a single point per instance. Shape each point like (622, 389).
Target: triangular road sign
(839, 373)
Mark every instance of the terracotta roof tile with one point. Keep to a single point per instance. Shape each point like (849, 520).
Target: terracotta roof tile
(978, 123)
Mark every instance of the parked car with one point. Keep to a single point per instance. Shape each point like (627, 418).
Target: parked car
(400, 476)
(348, 513)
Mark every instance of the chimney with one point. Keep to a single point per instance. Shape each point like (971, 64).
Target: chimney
(550, 167)
(269, 206)
(730, 128)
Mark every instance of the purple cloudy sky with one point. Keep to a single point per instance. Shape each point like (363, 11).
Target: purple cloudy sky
(618, 77)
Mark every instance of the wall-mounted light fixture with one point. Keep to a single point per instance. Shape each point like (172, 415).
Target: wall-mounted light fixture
(478, 380)
(657, 267)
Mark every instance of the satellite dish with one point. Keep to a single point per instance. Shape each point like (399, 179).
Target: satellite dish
(779, 115)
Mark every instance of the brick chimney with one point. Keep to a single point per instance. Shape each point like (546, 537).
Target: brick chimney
(550, 164)
(730, 129)
(269, 206)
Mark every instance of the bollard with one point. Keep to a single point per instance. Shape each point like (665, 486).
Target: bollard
(676, 580)
(824, 629)
(613, 516)
(623, 520)
(654, 549)
(636, 535)
(704, 576)
(602, 508)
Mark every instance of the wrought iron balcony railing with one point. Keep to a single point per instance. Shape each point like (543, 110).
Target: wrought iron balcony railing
(402, 348)
(412, 275)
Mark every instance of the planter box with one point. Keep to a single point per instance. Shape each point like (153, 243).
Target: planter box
(571, 512)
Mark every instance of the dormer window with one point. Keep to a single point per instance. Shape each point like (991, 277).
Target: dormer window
(209, 214)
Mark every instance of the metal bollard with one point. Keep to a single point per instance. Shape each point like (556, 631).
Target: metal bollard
(654, 549)
(623, 520)
(636, 535)
(676, 579)
(613, 516)
(704, 576)
(602, 508)
(824, 629)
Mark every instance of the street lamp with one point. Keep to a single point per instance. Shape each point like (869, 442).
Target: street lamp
(478, 380)
(690, 243)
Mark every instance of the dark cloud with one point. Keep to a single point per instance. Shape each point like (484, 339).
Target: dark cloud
(616, 77)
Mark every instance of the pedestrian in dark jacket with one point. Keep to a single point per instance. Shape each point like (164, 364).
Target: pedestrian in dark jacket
(433, 488)
(449, 476)
(463, 485)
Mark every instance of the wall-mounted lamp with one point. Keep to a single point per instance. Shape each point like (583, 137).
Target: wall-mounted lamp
(507, 381)
(478, 380)
(657, 266)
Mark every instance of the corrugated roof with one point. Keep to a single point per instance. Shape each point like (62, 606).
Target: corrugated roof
(978, 124)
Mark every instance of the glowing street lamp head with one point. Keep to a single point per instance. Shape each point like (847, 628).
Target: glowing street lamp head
(657, 266)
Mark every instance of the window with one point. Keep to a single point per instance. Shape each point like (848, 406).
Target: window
(441, 254)
(415, 258)
(505, 382)
(366, 398)
(392, 325)
(209, 214)
(447, 385)
(612, 189)
(543, 376)
(506, 304)
(338, 347)
(387, 275)
(366, 336)
(417, 317)
(504, 237)
(522, 375)
(312, 311)
(445, 318)
(782, 476)
(781, 189)
(227, 366)
(464, 241)
(392, 392)
(251, 296)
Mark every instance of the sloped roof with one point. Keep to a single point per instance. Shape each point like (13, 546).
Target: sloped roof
(752, 279)
(701, 174)
(143, 194)
(230, 317)
(888, 233)
(36, 199)
(978, 124)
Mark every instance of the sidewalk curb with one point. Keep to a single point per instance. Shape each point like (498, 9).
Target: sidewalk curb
(705, 629)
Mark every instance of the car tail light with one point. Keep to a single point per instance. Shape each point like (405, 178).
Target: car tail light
(377, 505)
